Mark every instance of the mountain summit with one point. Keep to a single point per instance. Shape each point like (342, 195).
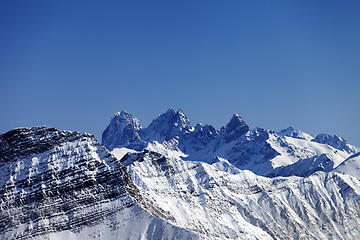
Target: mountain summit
(123, 130)
(235, 128)
(168, 125)
(65, 185)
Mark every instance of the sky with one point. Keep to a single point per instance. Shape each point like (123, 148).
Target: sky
(73, 64)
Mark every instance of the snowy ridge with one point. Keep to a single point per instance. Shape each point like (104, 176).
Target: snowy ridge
(258, 150)
(60, 184)
(218, 201)
(350, 166)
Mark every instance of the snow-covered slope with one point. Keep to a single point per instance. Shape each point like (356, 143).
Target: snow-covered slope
(65, 185)
(350, 166)
(263, 152)
(219, 201)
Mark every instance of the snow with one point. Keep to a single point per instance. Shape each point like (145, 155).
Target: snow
(120, 152)
(208, 196)
(350, 166)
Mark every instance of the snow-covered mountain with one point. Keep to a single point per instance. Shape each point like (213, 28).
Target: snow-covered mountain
(263, 152)
(61, 184)
(172, 180)
(219, 201)
(237, 183)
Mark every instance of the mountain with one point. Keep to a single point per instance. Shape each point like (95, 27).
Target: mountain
(219, 201)
(242, 183)
(336, 142)
(172, 180)
(263, 152)
(124, 129)
(292, 132)
(167, 126)
(61, 184)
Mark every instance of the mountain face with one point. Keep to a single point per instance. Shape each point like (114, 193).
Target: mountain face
(167, 126)
(124, 129)
(234, 129)
(336, 142)
(62, 184)
(219, 201)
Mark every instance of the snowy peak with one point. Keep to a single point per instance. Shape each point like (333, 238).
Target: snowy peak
(126, 119)
(292, 132)
(168, 125)
(235, 128)
(336, 142)
(123, 129)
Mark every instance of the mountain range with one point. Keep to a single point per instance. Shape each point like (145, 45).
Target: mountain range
(172, 180)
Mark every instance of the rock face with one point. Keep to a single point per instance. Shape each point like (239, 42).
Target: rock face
(234, 129)
(123, 130)
(59, 184)
(167, 126)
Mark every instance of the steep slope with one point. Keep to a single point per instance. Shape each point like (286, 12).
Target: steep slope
(263, 152)
(61, 184)
(167, 126)
(219, 201)
(292, 132)
(350, 166)
(336, 142)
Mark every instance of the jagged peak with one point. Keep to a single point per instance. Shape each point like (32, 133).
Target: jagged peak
(175, 112)
(123, 129)
(235, 128)
(290, 128)
(172, 116)
(336, 142)
(323, 137)
(294, 133)
(235, 122)
(123, 117)
(168, 125)
(123, 113)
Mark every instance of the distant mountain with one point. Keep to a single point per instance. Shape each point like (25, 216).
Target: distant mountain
(336, 142)
(62, 184)
(263, 152)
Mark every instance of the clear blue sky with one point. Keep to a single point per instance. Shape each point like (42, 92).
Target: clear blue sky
(73, 64)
